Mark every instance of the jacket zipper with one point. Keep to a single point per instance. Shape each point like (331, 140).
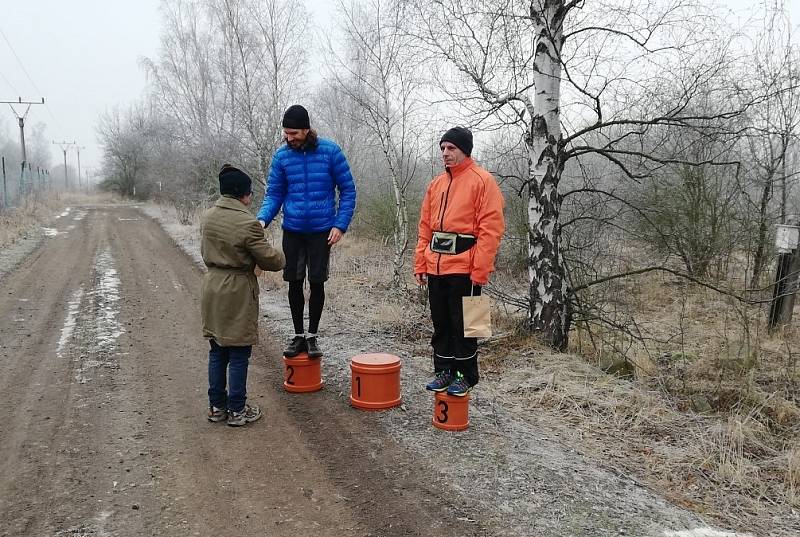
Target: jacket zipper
(441, 215)
(305, 184)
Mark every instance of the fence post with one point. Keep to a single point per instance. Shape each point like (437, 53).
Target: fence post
(5, 188)
(786, 277)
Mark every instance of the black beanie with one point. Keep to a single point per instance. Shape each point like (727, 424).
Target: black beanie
(234, 182)
(296, 117)
(459, 137)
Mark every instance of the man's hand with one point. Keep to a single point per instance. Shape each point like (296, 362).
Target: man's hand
(422, 279)
(334, 236)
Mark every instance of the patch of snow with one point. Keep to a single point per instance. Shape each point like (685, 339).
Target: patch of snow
(107, 329)
(705, 532)
(73, 307)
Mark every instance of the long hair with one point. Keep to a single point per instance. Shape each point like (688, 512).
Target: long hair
(312, 140)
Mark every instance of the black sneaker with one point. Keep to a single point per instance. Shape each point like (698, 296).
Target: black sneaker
(313, 350)
(297, 345)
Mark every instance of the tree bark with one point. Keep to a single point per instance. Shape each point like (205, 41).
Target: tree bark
(759, 259)
(549, 316)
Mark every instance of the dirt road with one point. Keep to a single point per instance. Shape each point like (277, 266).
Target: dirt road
(104, 431)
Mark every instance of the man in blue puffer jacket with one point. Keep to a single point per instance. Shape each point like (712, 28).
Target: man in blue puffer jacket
(304, 177)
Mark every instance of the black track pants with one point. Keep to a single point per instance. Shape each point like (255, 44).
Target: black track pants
(451, 350)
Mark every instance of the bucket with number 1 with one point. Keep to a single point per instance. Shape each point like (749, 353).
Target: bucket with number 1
(375, 381)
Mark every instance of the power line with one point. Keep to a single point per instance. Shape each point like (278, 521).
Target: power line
(22, 66)
(10, 85)
(14, 52)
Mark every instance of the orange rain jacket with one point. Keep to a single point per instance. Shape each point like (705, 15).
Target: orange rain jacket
(465, 199)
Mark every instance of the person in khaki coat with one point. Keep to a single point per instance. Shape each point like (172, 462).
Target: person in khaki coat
(232, 245)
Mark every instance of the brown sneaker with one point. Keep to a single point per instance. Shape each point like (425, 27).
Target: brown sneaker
(247, 415)
(217, 414)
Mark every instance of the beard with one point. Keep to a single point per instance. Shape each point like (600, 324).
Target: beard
(295, 144)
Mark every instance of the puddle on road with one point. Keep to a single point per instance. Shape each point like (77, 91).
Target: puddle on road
(80, 215)
(49, 231)
(65, 213)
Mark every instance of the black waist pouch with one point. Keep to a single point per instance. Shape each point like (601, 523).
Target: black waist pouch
(447, 243)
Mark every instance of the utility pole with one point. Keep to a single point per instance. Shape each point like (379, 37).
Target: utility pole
(21, 121)
(78, 149)
(64, 147)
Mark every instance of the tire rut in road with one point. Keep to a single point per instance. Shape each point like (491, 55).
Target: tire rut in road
(39, 473)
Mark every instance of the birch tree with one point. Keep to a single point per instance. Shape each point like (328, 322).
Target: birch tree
(226, 71)
(775, 125)
(124, 136)
(582, 78)
(376, 72)
(262, 59)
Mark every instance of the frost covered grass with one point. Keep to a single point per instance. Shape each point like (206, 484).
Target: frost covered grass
(736, 462)
(36, 210)
(735, 459)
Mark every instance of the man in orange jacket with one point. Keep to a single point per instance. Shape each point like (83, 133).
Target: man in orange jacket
(460, 226)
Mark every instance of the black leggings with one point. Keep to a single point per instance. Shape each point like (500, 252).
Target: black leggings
(297, 303)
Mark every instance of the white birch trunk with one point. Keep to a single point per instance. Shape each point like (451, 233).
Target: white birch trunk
(548, 293)
(400, 233)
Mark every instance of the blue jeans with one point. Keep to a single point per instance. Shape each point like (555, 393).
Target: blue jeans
(230, 363)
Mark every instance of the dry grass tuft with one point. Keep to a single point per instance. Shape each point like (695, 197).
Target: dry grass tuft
(793, 475)
(702, 404)
(38, 209)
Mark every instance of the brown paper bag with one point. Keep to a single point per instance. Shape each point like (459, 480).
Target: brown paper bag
(477, 316)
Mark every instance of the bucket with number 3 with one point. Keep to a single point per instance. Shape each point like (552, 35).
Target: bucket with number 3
(451, 412)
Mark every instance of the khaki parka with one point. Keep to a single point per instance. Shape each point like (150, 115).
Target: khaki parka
(232, 244)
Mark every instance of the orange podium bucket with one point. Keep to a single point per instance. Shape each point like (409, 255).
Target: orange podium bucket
(375, 381)
(302, 374)
(450, 412)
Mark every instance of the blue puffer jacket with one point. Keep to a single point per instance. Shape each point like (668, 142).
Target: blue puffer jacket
(304, 183)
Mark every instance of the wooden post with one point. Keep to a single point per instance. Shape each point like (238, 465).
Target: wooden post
(786, 277)
(5, 187)
(787, 308)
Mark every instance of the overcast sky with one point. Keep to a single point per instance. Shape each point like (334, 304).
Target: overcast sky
(83, 58)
